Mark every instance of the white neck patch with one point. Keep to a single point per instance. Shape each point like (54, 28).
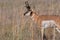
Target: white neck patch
(28, 13)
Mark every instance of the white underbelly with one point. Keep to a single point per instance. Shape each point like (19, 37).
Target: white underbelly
(48, 23)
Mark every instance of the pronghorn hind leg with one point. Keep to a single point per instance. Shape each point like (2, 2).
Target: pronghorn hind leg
(42, 32)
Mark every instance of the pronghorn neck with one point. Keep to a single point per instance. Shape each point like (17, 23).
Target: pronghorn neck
(34, 16)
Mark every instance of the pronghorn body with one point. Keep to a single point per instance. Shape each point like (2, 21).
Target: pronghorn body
(38, 19)
(43, 19)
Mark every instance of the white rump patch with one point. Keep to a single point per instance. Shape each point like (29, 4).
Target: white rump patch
(48, 23)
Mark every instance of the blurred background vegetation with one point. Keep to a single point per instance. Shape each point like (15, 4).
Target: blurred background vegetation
(15, 26)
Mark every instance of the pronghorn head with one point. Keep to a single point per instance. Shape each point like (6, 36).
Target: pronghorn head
(29, 11)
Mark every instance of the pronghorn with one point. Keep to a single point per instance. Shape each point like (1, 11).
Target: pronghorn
(43, 21)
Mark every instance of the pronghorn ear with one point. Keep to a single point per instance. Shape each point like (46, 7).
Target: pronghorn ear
(32, 10)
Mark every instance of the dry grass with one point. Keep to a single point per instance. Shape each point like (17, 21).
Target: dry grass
(14, 26)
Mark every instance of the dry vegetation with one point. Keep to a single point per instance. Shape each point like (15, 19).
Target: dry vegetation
(13, 24)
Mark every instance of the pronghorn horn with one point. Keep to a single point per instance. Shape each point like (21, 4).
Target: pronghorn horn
(27, 6)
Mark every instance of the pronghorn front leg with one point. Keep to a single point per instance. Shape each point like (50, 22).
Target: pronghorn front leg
(42, 32)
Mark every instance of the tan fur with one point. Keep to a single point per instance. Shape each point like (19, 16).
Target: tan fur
(38, 19)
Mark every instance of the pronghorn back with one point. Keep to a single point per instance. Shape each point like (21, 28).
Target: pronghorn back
(41, 18)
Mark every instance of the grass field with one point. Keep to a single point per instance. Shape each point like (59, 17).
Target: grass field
(15, 26)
